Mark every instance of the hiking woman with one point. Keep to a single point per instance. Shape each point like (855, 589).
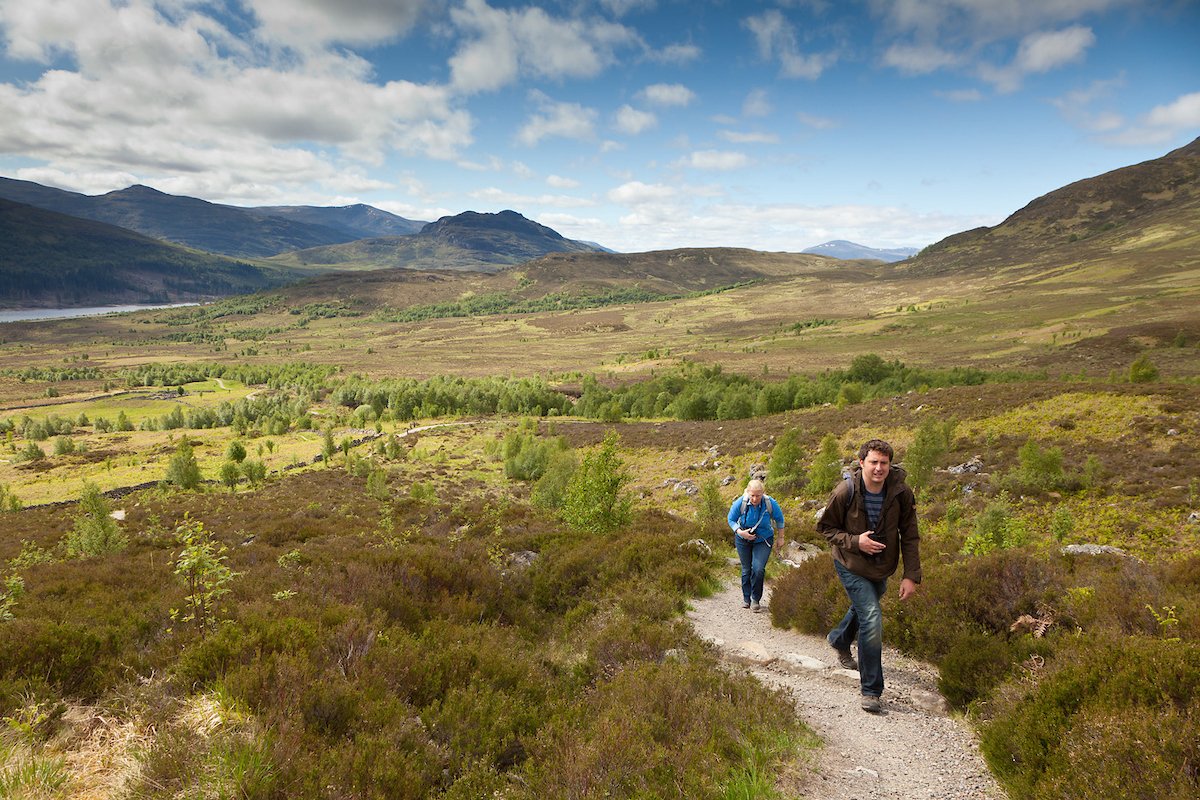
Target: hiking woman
(754, 518)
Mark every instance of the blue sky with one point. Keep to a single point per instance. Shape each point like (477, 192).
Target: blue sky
(638, 124)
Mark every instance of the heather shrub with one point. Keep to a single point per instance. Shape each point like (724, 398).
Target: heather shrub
(1125, 706)
(671, 729)
(809, 598)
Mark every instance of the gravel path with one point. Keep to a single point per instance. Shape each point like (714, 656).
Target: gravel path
(912, 750)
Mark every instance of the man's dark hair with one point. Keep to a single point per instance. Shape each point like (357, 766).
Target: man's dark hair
(879, 446)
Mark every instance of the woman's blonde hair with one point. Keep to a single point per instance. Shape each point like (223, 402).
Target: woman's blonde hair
(753, 484)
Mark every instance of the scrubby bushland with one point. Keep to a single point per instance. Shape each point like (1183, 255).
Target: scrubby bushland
(415, 660)
(1072, 654)
(1128, 708)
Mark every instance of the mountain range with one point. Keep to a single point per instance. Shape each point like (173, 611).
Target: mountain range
(212, 227)
(840, 248)
(68, 251)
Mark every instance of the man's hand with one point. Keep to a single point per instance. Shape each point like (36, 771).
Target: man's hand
(869, 546)
(908, 588)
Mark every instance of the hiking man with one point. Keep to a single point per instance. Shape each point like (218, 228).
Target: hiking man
(754, 517)
(871, 522)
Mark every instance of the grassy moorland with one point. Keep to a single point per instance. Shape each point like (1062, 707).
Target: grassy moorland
(300, 601)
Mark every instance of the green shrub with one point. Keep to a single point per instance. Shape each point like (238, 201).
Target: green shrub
(929, 447)
(95, 532)
(787, 458)
(550, 491)
(182, 469)
(826, 469)
(711, 508)
(596, 498)
(996, 528)
(1142, 370)
(9, 500)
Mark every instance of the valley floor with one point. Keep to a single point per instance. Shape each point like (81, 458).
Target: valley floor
(914, 750)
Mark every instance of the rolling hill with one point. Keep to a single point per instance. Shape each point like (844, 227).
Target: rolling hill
(468, 241)
(52, 259)
(1148, 214)
(216, 228)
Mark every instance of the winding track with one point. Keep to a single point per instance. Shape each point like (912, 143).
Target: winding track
(913, 750)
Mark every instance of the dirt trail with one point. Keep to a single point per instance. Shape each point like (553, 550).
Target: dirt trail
(912, 750)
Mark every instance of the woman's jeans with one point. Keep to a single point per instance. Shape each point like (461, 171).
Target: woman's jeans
(864, 620)
(753, 556)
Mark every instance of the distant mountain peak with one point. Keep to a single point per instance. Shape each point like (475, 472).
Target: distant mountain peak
(840, 248)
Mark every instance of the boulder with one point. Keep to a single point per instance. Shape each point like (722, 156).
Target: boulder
(1092, 550)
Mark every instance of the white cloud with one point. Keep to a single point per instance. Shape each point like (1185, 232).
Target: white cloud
(677, 54)
(565, 120)
(667, 94)
(508, 199)
(719, 160)
(633, 121)
(919, 59)
(1181, 114)
(1040, 52)
(622, 7)
(756, 104)
(817, 122)
(1078, 107)
(506, 44)
(523, 170)
(637, 193)
(214, 115)
(312, 23)
(776, 38)
(1163, 124)
(559, 182)
(738, 137)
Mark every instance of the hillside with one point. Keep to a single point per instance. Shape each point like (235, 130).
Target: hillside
(51, 259)
(358, 221)
(467, 241)
(1149, 212)
(216, 228)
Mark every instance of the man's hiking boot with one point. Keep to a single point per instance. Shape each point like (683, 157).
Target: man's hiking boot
(846, 660)
(745, 604)
(757, 607)
(871, 703)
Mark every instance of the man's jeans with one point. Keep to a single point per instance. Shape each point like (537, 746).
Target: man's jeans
(753, 556)
(864, 620)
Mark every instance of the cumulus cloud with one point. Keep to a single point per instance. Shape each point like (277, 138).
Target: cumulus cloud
(931, 35)
(667, 94)
(315, 23)
(505, 44)
(560, 182)
(633, 121)
(1163, 124)
(181, 98)
(1040, 52)
(776, 39)
(719, 160)
(677, 54)
(636, 193)
(565, 120)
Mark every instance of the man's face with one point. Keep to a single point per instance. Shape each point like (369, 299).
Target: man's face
(875, 468)
(756, 496)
